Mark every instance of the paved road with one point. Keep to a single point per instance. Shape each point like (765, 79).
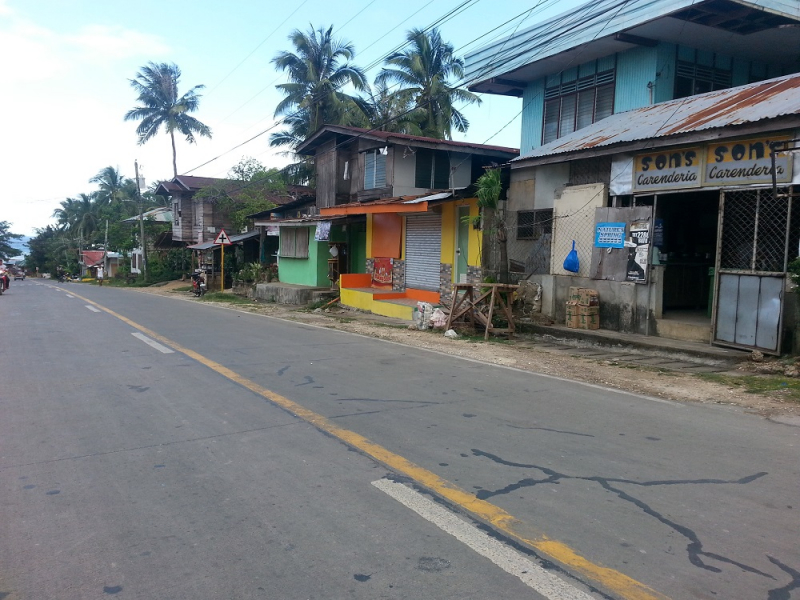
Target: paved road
(170, 449)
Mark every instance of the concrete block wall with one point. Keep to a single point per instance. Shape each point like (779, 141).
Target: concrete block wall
(623, 305)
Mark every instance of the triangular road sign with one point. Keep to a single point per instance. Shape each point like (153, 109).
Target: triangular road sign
(223, 238)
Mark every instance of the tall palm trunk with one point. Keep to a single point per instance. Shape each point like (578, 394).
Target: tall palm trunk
(174, 154)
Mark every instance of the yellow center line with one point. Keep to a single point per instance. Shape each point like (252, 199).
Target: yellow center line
(610, 579)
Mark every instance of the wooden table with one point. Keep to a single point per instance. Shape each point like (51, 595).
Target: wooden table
(467, 305)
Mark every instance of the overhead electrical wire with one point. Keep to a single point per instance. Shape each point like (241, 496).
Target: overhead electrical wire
(462, 6)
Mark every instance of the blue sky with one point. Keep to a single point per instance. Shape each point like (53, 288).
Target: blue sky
(66, 66)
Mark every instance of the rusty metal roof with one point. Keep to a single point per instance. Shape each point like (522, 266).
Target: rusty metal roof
(751, 103)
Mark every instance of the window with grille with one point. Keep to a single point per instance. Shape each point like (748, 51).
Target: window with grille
(575, 104)
(294, 242)
(533, 224)
(692, 79)
(432, 169)
(374, 170)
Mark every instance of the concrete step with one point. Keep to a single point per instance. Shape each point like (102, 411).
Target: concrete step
(678, 330)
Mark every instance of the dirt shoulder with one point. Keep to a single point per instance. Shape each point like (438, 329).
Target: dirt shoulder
(729, 388)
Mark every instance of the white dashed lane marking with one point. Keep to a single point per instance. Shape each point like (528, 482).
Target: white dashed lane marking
(511, 561)
(153, 343)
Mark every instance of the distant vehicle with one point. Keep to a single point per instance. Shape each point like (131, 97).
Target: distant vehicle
(19, 274)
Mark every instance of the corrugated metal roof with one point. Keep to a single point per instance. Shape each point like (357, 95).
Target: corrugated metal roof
(243, 236)
(596, 23)
(760, 101)
(309, 145)
(158, 215)
(203, 246)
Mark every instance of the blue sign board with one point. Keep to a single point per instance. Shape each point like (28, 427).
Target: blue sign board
(610, 235)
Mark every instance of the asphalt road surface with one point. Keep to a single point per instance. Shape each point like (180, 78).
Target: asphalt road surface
(155, 448)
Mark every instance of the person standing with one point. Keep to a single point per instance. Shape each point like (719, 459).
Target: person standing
(100, 276)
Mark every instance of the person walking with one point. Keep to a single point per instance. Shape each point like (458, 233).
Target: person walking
(100, 276)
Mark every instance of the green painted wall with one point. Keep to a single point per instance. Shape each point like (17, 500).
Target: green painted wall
(358, 247)
(312, 271)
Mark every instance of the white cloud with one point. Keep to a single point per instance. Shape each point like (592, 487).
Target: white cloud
(113, 43)
(29, 53)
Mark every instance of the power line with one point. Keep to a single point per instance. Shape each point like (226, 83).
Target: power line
(463, 6)
(219, 83)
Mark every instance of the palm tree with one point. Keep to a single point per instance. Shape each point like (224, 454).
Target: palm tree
(113, 186)
(77, 216)
(388, 111)
(317, 70)
(424, 70)
(157, 85)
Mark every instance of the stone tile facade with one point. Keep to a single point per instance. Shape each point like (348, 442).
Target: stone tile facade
(398, 275)
(445, 282)
(474, 275)
(370, 266)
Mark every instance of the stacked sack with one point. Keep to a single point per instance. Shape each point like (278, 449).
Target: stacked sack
(583, 308)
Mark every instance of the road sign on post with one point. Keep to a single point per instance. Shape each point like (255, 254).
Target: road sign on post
(223, 240)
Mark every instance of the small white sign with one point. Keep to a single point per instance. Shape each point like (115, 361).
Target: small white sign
(223, 238)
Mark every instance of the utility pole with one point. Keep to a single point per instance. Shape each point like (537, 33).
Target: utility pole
(141, 221)
(105, 252)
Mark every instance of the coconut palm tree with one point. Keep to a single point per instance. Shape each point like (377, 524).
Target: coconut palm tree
(113, 186)
(157, 86)
(425, 70)
(385, 110)
(318, 70)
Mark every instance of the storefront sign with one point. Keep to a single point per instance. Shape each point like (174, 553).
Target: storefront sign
(667, 170)
(609, 235)
(638, 252)
(745, 161)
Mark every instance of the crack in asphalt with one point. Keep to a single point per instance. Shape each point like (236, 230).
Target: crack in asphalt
(694, 548)
(784, 593)
(553, 430)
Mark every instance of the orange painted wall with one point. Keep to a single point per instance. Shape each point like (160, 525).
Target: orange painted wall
(355, 280)
(386, 234)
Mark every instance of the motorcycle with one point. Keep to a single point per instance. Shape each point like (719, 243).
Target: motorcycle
(198, 284)
(4, 281)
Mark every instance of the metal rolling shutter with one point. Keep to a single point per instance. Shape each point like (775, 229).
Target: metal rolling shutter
(423, 251)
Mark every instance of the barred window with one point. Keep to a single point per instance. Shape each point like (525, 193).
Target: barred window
(294, 242)
(533, 224)
(575, 104)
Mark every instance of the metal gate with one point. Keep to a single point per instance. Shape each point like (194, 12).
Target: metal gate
(423, 251)
(758, 237)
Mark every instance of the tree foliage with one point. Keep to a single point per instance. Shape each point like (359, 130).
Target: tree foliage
(489, 189)
(426, 71)
(83, 222)
(6, 237)
(162, 107)
(318, 69)
(249, 189)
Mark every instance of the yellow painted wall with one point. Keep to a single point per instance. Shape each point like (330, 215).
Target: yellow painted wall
(449, 227)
